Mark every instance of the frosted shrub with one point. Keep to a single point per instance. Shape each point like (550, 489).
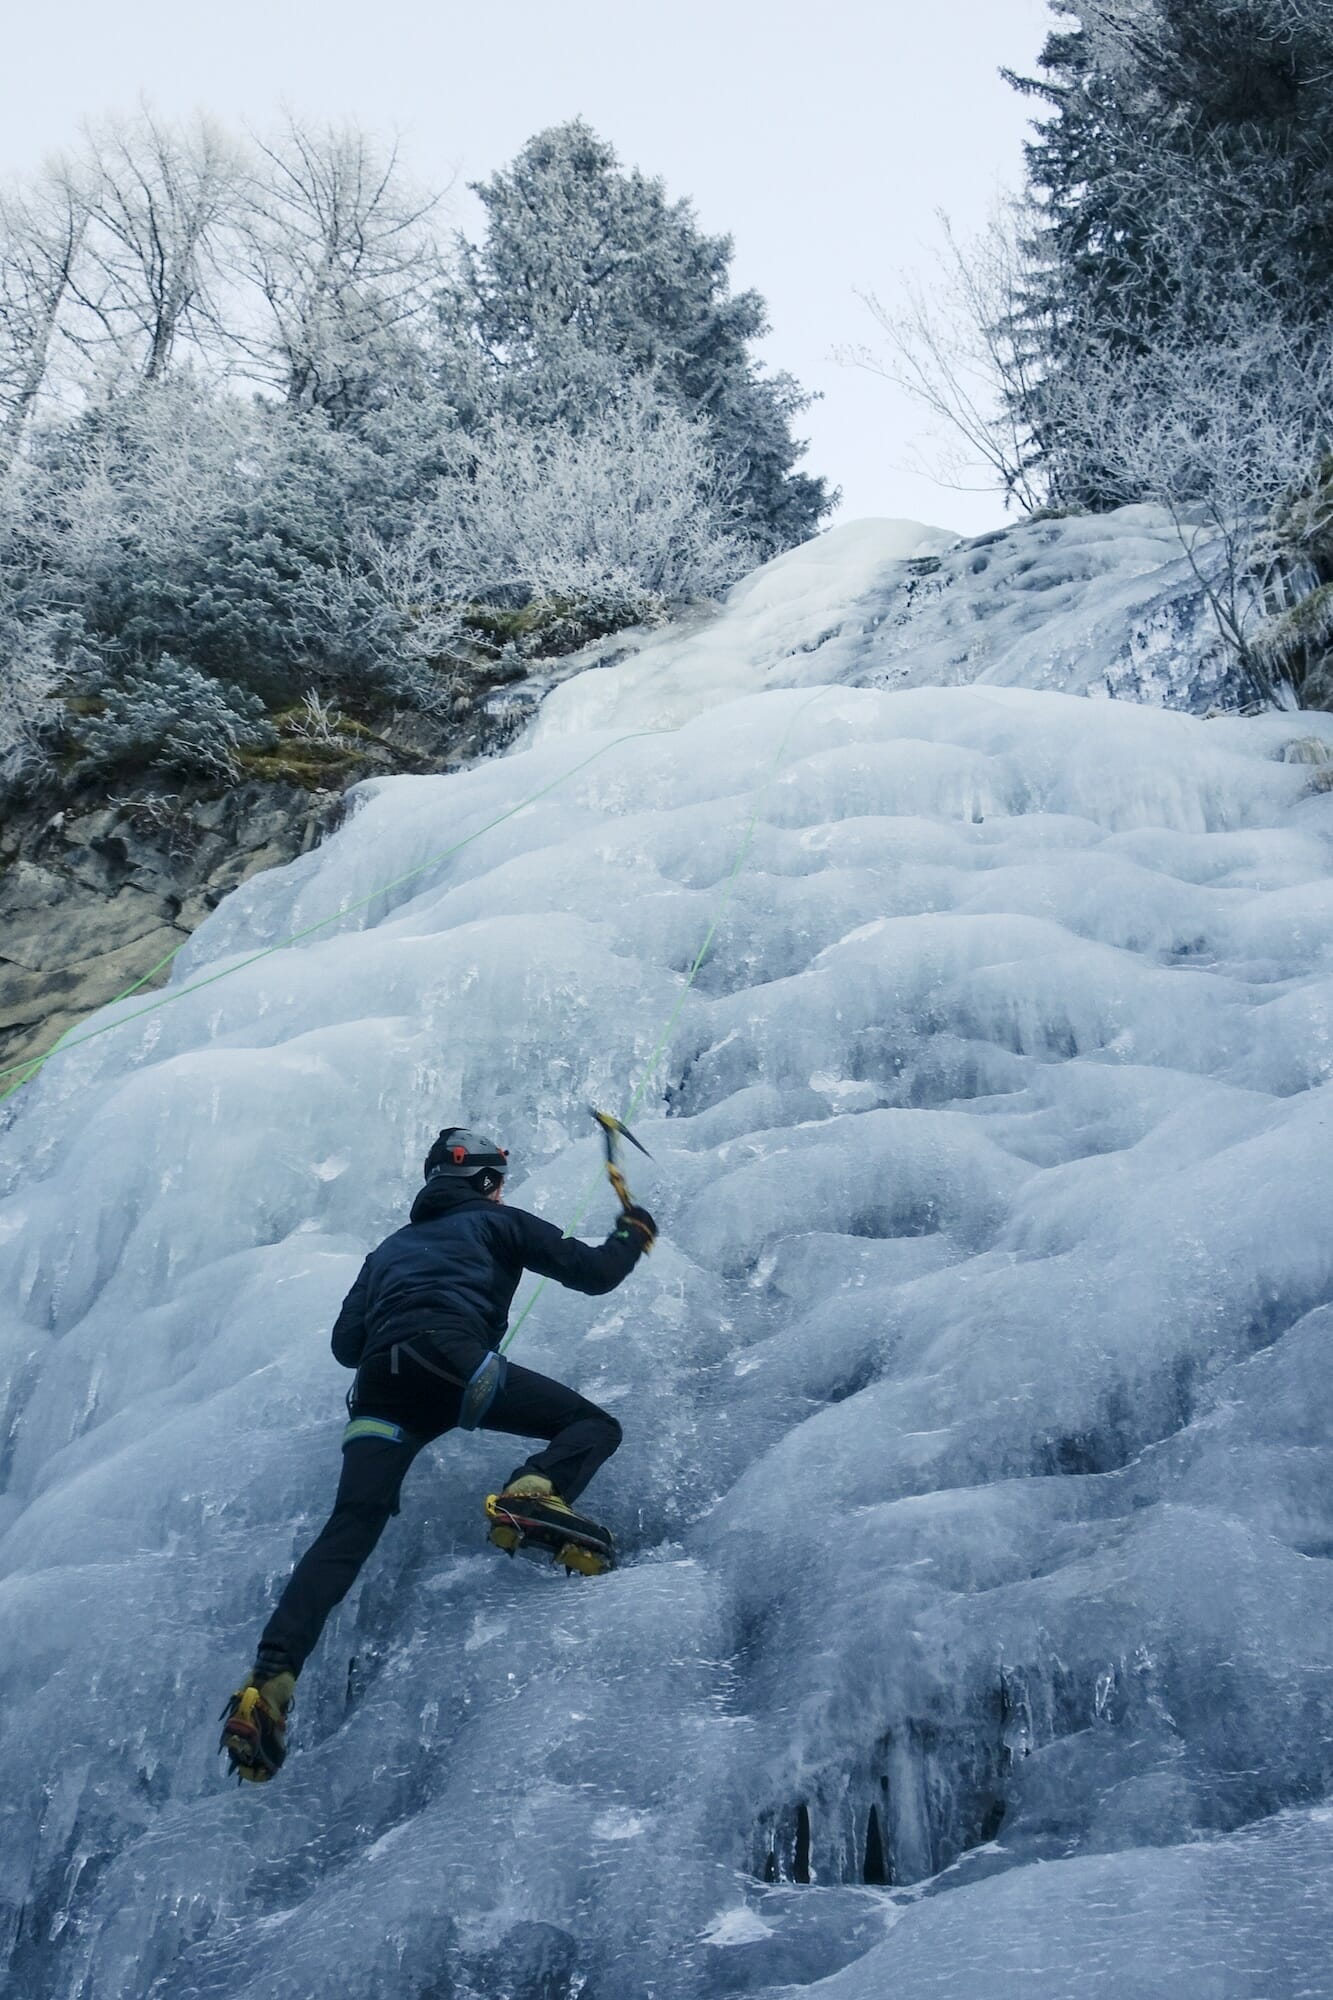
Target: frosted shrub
(30, 705)
(185, 521)
(170, 718)
(1224, 435)
(622, 516)
(115, 500)
(317, 721)
(411, 578)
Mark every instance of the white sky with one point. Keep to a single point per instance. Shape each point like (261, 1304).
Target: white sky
(823, 135)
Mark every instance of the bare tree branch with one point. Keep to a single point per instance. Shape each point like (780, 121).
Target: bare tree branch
(157, 199)
(957, 349)
(41, 238)
(339, 250)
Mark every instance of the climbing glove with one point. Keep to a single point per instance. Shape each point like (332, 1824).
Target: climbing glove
(637, 1226)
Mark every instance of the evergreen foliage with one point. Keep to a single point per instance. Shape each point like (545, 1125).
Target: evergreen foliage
(1181, 192)
(166, 718)
(625, 511)
(589, 275)
(1152, 321)
(311, 448)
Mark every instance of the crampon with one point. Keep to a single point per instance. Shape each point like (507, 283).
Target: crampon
(543, 1525)
(254, 1729)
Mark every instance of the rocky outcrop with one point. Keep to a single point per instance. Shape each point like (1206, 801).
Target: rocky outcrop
(96, 901)
(97, 894)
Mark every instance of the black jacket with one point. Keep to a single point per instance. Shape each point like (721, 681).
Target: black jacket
(453, 1271)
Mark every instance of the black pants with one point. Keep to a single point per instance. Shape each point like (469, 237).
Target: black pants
(580, 1437)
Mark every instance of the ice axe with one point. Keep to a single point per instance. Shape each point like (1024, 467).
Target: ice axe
(613, 1129)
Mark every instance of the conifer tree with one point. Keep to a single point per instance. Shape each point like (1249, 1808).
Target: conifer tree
(588, 277)
(1181, 189)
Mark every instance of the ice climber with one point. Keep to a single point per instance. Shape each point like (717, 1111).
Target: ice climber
(420, 1326)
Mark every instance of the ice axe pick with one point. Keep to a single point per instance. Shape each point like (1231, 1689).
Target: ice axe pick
(613, 1129)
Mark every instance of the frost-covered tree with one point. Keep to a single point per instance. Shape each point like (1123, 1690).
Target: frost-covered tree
(1227, 435)
(342, 256)
(588, 275)
(146, 277)
(305, 260)
(955, 344)
(1181, 180)
(1153, 321)
(42, 229)
(259, 436)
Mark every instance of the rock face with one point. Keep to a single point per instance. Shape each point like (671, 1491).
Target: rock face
(97, 896)
(96, 901)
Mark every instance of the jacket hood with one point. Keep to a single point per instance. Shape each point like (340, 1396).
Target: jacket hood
(439, 1195)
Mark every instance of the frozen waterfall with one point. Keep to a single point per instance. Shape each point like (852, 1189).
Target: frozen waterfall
(974, 1636)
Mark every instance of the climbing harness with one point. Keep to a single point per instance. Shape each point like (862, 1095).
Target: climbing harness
(480, 1390)
(375, 1427)
(483, 1386)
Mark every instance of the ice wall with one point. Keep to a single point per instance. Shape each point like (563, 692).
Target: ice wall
(974, 1630)
(1104, 605)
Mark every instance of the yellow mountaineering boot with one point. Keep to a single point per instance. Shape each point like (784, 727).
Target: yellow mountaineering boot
(531, 1486)
(254, 1725)
(505, 1514)
(530, 1511)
